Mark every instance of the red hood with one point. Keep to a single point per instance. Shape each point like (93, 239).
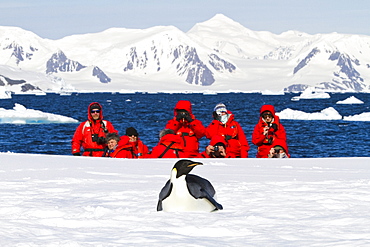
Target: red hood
(282, 143)
(171, 138)
(216, 139)
(269, 108)
(124, 140)
(89, 114)
(183, 105)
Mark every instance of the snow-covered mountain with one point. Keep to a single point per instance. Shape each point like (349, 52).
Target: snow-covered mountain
(218, 55)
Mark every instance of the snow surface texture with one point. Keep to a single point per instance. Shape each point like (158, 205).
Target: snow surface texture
(81, 201)
(22, 115)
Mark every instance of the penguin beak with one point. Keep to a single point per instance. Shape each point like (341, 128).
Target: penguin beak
(195, 164)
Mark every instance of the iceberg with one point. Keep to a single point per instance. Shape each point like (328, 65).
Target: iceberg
(365, 116)
(308, 93)
(350, 100)
(269, 92)
(22, 115)
(327, 114)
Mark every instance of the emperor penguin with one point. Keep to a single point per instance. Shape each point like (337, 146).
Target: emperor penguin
(187, 192)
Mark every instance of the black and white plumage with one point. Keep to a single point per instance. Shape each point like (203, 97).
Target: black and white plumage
(187, 192)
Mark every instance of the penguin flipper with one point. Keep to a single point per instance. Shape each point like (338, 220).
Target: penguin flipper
(213, 201)
(165, 192)
(201, 188)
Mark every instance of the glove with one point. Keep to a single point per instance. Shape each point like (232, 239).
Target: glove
(76, 154)
(183, 115)
(179, 116)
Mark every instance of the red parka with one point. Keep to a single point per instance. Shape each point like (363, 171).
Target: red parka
(83, 134)
(281, 143)
(140, 149)
(237, 143)
(189, 132)
(265, 143)
(124, 149)
(169, 146)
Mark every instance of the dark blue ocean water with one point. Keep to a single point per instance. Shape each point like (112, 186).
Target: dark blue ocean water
(149, 113)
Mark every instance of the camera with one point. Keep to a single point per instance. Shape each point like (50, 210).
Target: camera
(216, 152)
(95, 137)
(99, 140)
(273, 126)
(277, 151)
(182, 114)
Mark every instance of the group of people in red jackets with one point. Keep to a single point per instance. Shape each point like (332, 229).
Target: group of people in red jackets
(180, 137)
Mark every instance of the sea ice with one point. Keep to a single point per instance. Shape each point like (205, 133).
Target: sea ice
(21, 115)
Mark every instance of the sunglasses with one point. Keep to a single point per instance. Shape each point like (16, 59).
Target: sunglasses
(266, 115)
(220, 113)
(95, 111)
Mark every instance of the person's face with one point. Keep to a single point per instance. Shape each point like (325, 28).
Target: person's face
(222, 151)
(133, 138)
(111, 144)
(221, 113)
(267, 116)
(95, 113)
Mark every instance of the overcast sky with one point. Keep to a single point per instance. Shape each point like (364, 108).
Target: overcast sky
(56, 19)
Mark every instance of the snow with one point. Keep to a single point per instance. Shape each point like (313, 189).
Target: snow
(21, 115)
(350, 100)
(50, 200)
(308, 93)
(5, 94)
(327, 114)
(365, 116)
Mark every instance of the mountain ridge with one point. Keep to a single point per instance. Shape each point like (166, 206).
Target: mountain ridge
(218, 55)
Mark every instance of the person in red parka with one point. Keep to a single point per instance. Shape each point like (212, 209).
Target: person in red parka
(267, 131)
(124, 149)
(279, 150)
(112, 140)
(217, 148)
(90, 135)
(139, 148)
(226, 126)
(187, 127)
(169, 146)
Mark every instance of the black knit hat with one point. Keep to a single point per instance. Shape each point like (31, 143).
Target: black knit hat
(131, 131)
(95, 106)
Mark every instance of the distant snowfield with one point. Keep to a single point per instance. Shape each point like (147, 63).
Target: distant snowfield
(52, 200)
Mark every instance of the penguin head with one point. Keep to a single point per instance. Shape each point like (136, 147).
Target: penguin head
(183, 167)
